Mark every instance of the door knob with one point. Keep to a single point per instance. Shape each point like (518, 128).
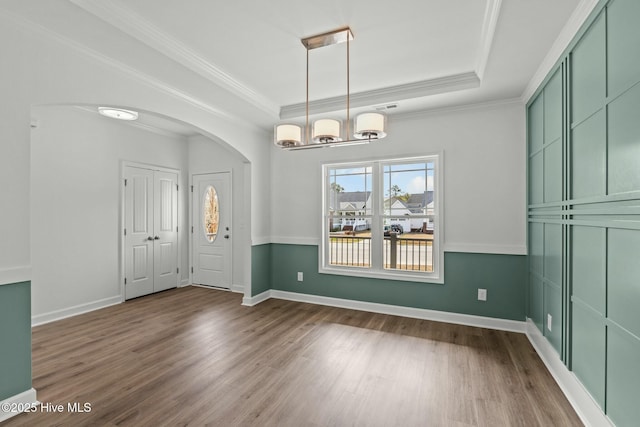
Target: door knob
(226, 236)
(149, 238)
(156, 238)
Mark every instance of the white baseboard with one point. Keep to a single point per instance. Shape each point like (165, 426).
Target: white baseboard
(52, 316)
(395, 310)
(251, 301)
(183, 283)
(25, 399)
(239, 289)
(582, 402)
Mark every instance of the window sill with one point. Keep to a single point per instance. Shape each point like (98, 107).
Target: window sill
(384, 275)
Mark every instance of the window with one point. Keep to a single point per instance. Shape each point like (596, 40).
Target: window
(383, 219)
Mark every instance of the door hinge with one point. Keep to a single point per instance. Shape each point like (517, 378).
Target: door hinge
(177, 271)
(176, 229)
(192, 188)
(125, 280)
(192, 229)
(125, 231)
(177, 187)
(125, 182)
(192, 269)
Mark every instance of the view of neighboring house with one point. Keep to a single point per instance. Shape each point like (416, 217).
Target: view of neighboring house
(408, 211)
(354, 211)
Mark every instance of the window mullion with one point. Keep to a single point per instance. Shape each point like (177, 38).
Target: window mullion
(378, 218)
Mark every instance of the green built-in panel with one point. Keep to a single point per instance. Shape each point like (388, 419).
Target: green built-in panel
(589, 350)
(623, 378)
(590, 242)
(504, 277)
(536, 301)
(553, 253)
(553, 172)
(624, 142)
(553, 109)
(589, 266)
(588, 73)
(553, 315)
(536, 247)
(589, 157)
(624, 279)
(623, 39)
(536, 183)
(15, 339)
(536, 125)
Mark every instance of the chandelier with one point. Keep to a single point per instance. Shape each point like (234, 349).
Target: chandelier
(367, 127)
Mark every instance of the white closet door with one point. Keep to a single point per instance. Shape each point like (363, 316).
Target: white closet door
(165, 231)
(151, 233)
(138, 223)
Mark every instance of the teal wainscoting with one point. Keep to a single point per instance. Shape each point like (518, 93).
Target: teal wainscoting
(584, 208)
(503, 276)
(15, 339)
(260, 269)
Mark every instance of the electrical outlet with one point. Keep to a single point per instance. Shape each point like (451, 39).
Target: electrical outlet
(482, 294)
(300, 276)
(549, 321)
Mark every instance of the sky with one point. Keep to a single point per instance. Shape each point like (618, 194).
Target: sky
(409, 181)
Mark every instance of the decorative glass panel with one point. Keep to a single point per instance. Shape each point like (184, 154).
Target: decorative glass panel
(211, 215)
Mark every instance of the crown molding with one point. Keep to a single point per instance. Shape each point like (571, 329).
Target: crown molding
(142, 30)
(571, 28)
(458, 108)
(127, 70)
(419, 89)
(489, 24)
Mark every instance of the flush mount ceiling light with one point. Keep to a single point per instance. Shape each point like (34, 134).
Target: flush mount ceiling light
(118, 113)
(328, 132)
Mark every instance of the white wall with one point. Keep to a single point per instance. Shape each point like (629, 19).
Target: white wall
(484, 177)
(207, 156)
(76, 186)
(39, 69)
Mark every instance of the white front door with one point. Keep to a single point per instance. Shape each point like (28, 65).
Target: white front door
(151, 235)
(211, 229)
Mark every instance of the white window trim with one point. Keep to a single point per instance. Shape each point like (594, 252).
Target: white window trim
(376, 271)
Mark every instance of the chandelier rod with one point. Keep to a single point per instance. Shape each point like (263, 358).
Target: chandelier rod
(348, 135)
(306, 128)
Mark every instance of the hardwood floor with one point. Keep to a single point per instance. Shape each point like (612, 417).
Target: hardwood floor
(195, 356)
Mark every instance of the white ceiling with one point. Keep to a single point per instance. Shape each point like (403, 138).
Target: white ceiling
(247, 57)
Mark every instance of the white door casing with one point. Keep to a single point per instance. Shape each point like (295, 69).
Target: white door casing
(151, 235)
(211, 255)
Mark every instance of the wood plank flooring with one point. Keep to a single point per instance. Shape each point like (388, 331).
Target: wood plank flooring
(194, 357)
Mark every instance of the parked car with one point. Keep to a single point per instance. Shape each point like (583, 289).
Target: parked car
(430, 227)
(396, 228)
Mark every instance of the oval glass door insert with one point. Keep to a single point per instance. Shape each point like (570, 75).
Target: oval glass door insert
(211, 213)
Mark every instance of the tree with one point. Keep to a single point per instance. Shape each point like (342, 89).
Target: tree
(394, 191)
